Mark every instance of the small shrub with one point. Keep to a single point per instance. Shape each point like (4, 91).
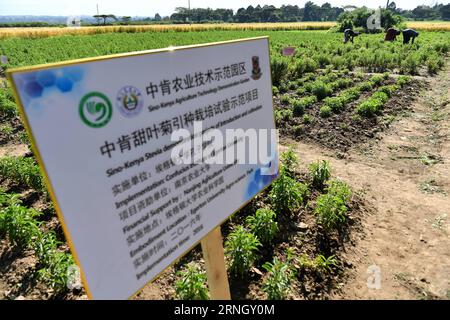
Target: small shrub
(403, 80)
(241, 248)
(319, 263)
(263, 225)
(279, 67)
(365, 86)
(320, 172)
(377, 79)
(17, 223)
(369, 107)
(275, 91)
(325, 112)
(307, 119)
(287, 195)
(277, 284)
(283, 115)
(334, 103)
(289, 160)
(303, 66)
(389, 89)
(192, 283)
(298, 107)
(321, 90)
(339, 189)
(331, 211)
(285, 99)
(383, 97)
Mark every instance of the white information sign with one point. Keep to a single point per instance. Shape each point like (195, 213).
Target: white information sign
(103, 129)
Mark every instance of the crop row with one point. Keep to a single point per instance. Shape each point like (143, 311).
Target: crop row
(286, 197)
(21, 227)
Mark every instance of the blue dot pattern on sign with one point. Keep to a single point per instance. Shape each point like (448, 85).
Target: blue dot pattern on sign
(46, 78)
(34, 84)
(259, 180)
(34, 89)
(75, 73)
(64, 84)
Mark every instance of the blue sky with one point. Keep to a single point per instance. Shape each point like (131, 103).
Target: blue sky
(163, 7)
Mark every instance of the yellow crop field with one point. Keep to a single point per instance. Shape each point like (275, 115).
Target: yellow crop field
(49, 32)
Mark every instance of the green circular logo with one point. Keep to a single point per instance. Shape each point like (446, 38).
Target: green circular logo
(95, 110)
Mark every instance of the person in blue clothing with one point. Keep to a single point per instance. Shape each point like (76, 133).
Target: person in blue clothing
(349, 34)
(409, 34)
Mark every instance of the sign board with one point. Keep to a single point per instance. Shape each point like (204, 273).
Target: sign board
(288, 51)
(102, 130)
(3, 59)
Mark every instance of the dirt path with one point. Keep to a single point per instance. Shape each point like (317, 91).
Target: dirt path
(404, 174)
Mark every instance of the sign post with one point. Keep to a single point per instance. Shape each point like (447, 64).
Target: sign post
(216, 270)
(146, 154)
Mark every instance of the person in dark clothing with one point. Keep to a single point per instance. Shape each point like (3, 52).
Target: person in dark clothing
(391, 34)
(409, 34)
(349, 34)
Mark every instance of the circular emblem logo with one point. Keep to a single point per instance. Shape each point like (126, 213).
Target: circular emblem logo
(130, 101)
(95, 110)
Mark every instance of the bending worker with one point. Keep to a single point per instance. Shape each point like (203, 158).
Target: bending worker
(349, 34)
(391, 34)
(408, 34)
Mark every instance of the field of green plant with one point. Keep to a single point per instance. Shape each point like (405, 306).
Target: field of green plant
(334, 94)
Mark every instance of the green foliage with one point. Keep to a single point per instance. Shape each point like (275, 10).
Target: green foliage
(299, 105)
(20, 226)
(8, 107)
(389, 89)
(275, 91)
(191, 284)
(325, 111)
(277, 283)
(307, 119)
(403, 80)
(339, 189)
(22, 171)
(331, 211)
(241, 248)
(287, 195)
(289, 160)
(55, 271)
(279, 67)
(17, 223)
(332, 207)
(303, 66)
(377, 79)
(319, 263)
(383, 97)
(263, 225)
(371, 106)
(335, 104)
(285, 99)
(320, 172)
(365, 86)
(283, 115)
(321, 90)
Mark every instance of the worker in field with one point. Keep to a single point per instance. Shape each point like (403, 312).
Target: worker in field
(391, 34)
(349, 34)
(409, 34)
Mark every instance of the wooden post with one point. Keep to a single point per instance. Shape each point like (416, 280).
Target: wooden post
(216, 270)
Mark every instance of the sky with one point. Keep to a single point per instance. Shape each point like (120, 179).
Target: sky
(148, 8)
